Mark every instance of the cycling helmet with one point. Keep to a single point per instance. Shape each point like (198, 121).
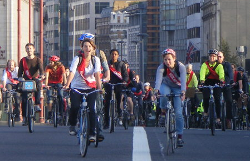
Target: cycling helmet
(168, 51)
(240, 69)
(147, 84)
(213, 51)
(86, 35)
(54, 58)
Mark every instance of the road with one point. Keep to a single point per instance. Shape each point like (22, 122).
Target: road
(56, 144)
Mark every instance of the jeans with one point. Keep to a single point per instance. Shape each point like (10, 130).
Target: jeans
(164, 90)
(227, 93)
(59, 95)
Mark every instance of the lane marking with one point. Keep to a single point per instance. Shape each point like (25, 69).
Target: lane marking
(141, 150)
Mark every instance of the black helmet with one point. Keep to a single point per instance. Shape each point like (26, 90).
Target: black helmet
(125, 61)
(213, 51)
(241, 69)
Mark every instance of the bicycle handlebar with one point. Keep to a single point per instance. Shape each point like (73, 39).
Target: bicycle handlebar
(86, 94)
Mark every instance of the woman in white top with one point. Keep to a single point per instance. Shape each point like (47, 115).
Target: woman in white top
(85, 77)
(10, 82)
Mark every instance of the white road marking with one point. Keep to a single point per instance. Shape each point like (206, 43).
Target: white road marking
(141, 150)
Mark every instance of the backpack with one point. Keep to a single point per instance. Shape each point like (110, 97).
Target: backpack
(92, 60)
(177, 70)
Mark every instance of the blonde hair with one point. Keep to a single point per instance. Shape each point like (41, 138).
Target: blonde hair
(11, 61)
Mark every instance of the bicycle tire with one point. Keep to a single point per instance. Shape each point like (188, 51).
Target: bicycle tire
(167, 129)
(97, 132)
(125, 119)
(9, 113)
(223, 117)
(111, 116)
(234, 115)
(212, 117)
(55, 112)
(172, 131)
(84, 133)
(30, 116)
(136, 113)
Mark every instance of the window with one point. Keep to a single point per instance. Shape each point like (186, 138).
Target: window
(99, 6)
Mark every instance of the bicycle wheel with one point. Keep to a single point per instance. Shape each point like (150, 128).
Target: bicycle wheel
(55, 112)
(9, 113)
(84, 133)
(97, 132)
(167, 129)
(223, 116)
(212, 117)
(30, 116)
(125, 119)
(172, 130)
(111, 116)
(136, 113)
(234, 115)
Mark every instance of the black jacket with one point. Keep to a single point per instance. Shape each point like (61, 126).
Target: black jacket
(120, 67)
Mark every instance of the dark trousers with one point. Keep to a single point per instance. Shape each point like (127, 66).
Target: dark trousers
(16, 96)
(227, 93)
(118, 95)
(206, 97)
(76, 100)
(58, 86)
(37, 97)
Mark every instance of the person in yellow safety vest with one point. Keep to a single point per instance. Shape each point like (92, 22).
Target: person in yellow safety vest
(200, 109)
(191, 85)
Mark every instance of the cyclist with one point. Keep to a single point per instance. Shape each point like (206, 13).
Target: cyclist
(118, 74)
(212, 73)
(245, 88)
(84, 76)
(130, 85)
(55, 77)
(9, 83)
(67, 73)
(191, 84)
(171, 77)
(227, 92)
(148, 96)
(30, 68)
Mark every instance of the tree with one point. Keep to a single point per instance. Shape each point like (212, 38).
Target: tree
(224, 47)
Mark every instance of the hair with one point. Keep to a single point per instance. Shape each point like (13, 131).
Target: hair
(233, 65)
(163, 55)
(30, 44)
(90, 41)
(111, 51)
(11, 61)
(189, 66)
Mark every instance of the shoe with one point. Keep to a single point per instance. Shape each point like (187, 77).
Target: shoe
(24, 123)
(149, 115)
(92, 138)
(72, 130)
(229, 124)
(49, 115)
(120, 121)
(162, 120)
(100, 137)
(132, 117)
(180, 143)
(37, 108)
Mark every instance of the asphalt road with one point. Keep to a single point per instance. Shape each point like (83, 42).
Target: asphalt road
(55, 144)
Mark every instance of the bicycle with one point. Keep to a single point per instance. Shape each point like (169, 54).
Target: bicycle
(125, 113)
(170, 123)
(234, 110)
(186, 112)
(84, 123)
(67, 106)
(243, 119)
(9, 104)
(136, 110)
(55, 105)
(146, 112)
(112, 110)
(28, 87)
(212, 113)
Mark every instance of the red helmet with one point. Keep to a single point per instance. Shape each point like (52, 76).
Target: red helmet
(54, 58)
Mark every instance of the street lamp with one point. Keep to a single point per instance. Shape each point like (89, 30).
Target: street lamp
(121, 42)
(72, 7)
(142, 36)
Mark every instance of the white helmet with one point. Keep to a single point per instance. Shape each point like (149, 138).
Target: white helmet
(147, 84)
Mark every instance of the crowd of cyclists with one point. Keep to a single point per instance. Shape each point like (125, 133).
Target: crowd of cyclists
(90, 70)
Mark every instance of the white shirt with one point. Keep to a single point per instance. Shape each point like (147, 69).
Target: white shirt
(13, 75)
(78, 81)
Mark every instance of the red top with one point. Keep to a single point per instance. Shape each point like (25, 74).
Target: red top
(55, 75)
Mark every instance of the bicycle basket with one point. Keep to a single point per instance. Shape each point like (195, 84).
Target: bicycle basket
(29, 86)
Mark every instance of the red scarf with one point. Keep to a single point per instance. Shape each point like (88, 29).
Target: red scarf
(138, 94)
(146, 94)
(213, 74)
(81, 70)
(235, 76)
(190, 78)
(26, 69)
(128, 70)
(172, 77)
(115, 72)
(10, 77)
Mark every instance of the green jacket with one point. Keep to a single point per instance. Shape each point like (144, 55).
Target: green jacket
(193, 82)
(204, 71)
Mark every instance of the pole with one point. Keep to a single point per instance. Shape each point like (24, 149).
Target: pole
(74, 27)
(41, 56)
(30, 21)
(136, 57)
(142, 59)
(121, 51)
(19, 31)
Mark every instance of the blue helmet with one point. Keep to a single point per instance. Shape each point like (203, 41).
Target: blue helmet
(86, 35)
(240, 69)
(213, 51)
